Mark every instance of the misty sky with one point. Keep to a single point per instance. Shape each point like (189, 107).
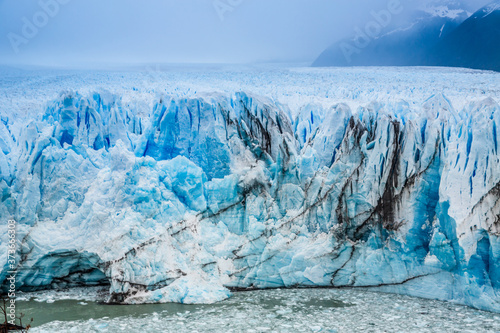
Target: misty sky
(178, 31)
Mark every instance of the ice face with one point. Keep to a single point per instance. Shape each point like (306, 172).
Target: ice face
(205, 194)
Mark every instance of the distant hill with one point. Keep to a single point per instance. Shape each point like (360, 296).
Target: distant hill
(440, 36)
(474, 44)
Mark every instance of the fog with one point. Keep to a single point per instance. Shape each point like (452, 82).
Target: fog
(114, 32)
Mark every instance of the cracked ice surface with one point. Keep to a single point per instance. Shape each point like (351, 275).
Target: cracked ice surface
(315, 310)
(201, 181)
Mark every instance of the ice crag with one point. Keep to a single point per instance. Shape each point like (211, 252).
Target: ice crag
(221, 192)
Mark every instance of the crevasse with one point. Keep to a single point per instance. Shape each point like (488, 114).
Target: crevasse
(207, 195)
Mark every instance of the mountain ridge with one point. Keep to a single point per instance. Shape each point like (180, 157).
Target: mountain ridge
(438, 36)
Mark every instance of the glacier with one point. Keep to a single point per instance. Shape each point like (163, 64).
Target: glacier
(193, 197)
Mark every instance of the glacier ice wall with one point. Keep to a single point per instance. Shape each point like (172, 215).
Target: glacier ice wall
(206, 195)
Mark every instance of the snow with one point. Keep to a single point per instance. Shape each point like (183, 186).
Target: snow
(203, 180)
(490, 9)
(445, 12)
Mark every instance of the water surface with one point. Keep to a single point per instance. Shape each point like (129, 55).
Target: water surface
(295, 310)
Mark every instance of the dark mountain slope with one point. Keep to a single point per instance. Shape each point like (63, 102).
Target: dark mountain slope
(474, 44)
(431, 40)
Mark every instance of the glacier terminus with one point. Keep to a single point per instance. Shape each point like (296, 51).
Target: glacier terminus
(185, 190)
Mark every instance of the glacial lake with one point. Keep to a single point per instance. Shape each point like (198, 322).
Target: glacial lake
(280, 310)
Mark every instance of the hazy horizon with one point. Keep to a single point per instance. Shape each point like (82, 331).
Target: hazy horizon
(56, 33)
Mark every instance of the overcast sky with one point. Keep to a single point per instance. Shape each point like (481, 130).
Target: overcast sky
(178, 31)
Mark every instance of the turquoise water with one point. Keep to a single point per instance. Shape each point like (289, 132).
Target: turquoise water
(294, 310)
